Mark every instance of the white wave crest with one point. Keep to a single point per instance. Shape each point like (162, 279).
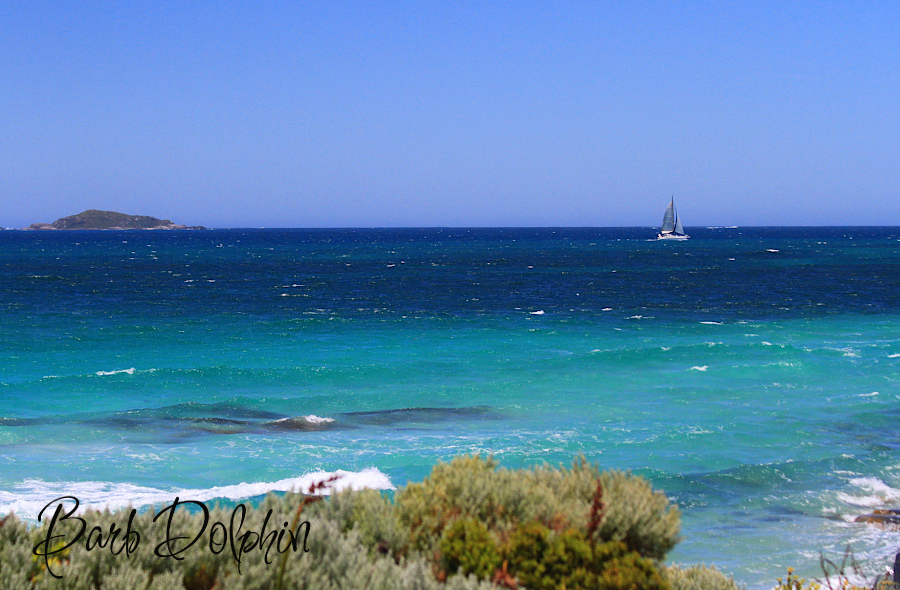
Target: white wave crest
(129, 371)
(699, 368)
(28, 498)
(876, 493)
(313, 419)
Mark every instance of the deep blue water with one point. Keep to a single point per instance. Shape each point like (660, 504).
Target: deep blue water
(750, 373)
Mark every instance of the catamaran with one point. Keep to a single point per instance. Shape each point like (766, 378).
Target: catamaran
(671, 226)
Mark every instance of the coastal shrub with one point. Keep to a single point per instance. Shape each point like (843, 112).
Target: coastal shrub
(631, 571)
(698, 577)
(472, 487)
(468, 546)
(469, 525)
(338, 561)
(542, 560)
(467, 487)
(126, 577)
(637, 515)
(370, 514)
(524, 553)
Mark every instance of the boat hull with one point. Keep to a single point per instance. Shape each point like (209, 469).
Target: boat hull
(678, 237)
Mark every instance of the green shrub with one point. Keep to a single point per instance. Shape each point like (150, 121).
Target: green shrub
(630, 571)
(467, 545)
(637, 515)
(472, 487)
(541, 528)
(698, 577)
(525, 552)
(369, 513)
(542, 560)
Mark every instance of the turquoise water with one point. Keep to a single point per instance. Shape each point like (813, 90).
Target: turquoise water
(750, 373)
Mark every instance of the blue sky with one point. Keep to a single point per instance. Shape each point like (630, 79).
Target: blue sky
(386, 114)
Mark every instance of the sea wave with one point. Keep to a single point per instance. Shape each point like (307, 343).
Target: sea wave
(874, 493)
(28, 498)
(129, 371)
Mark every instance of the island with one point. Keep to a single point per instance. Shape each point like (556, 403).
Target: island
(95, 219)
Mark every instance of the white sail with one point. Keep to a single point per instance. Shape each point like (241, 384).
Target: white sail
(671, 226)
(668, 223)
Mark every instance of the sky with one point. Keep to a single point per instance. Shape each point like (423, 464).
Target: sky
(421, 114)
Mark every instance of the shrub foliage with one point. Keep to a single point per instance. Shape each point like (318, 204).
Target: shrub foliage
(469, 525)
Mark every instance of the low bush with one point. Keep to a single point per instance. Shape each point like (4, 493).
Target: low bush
(469, 525)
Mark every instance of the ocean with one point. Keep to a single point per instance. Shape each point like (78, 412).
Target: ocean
(752, 374)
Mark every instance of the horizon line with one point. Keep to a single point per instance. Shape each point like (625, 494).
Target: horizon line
(442, 227)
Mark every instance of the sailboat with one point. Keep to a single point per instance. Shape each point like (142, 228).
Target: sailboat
(671, 226)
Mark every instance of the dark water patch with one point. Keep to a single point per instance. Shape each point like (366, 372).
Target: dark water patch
(876, 430)
(20, 421)
(780, 513)
(180, 422)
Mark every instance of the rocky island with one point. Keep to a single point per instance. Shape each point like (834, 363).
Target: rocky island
(94, 219)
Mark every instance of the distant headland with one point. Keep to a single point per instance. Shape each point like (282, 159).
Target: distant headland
(94, 219)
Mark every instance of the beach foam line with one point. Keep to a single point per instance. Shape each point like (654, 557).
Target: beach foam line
(28, 498)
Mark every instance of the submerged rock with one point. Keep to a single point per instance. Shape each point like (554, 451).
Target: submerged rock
(885, 517)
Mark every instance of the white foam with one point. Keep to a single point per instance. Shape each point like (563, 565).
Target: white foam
(606, 309)
(893, 356)
(538, 312)
(129, 371)
(873, 394)
(771, 250)
(313, 419)
(876, 493)
(714, 323)
(28, 498)
(699, 368)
